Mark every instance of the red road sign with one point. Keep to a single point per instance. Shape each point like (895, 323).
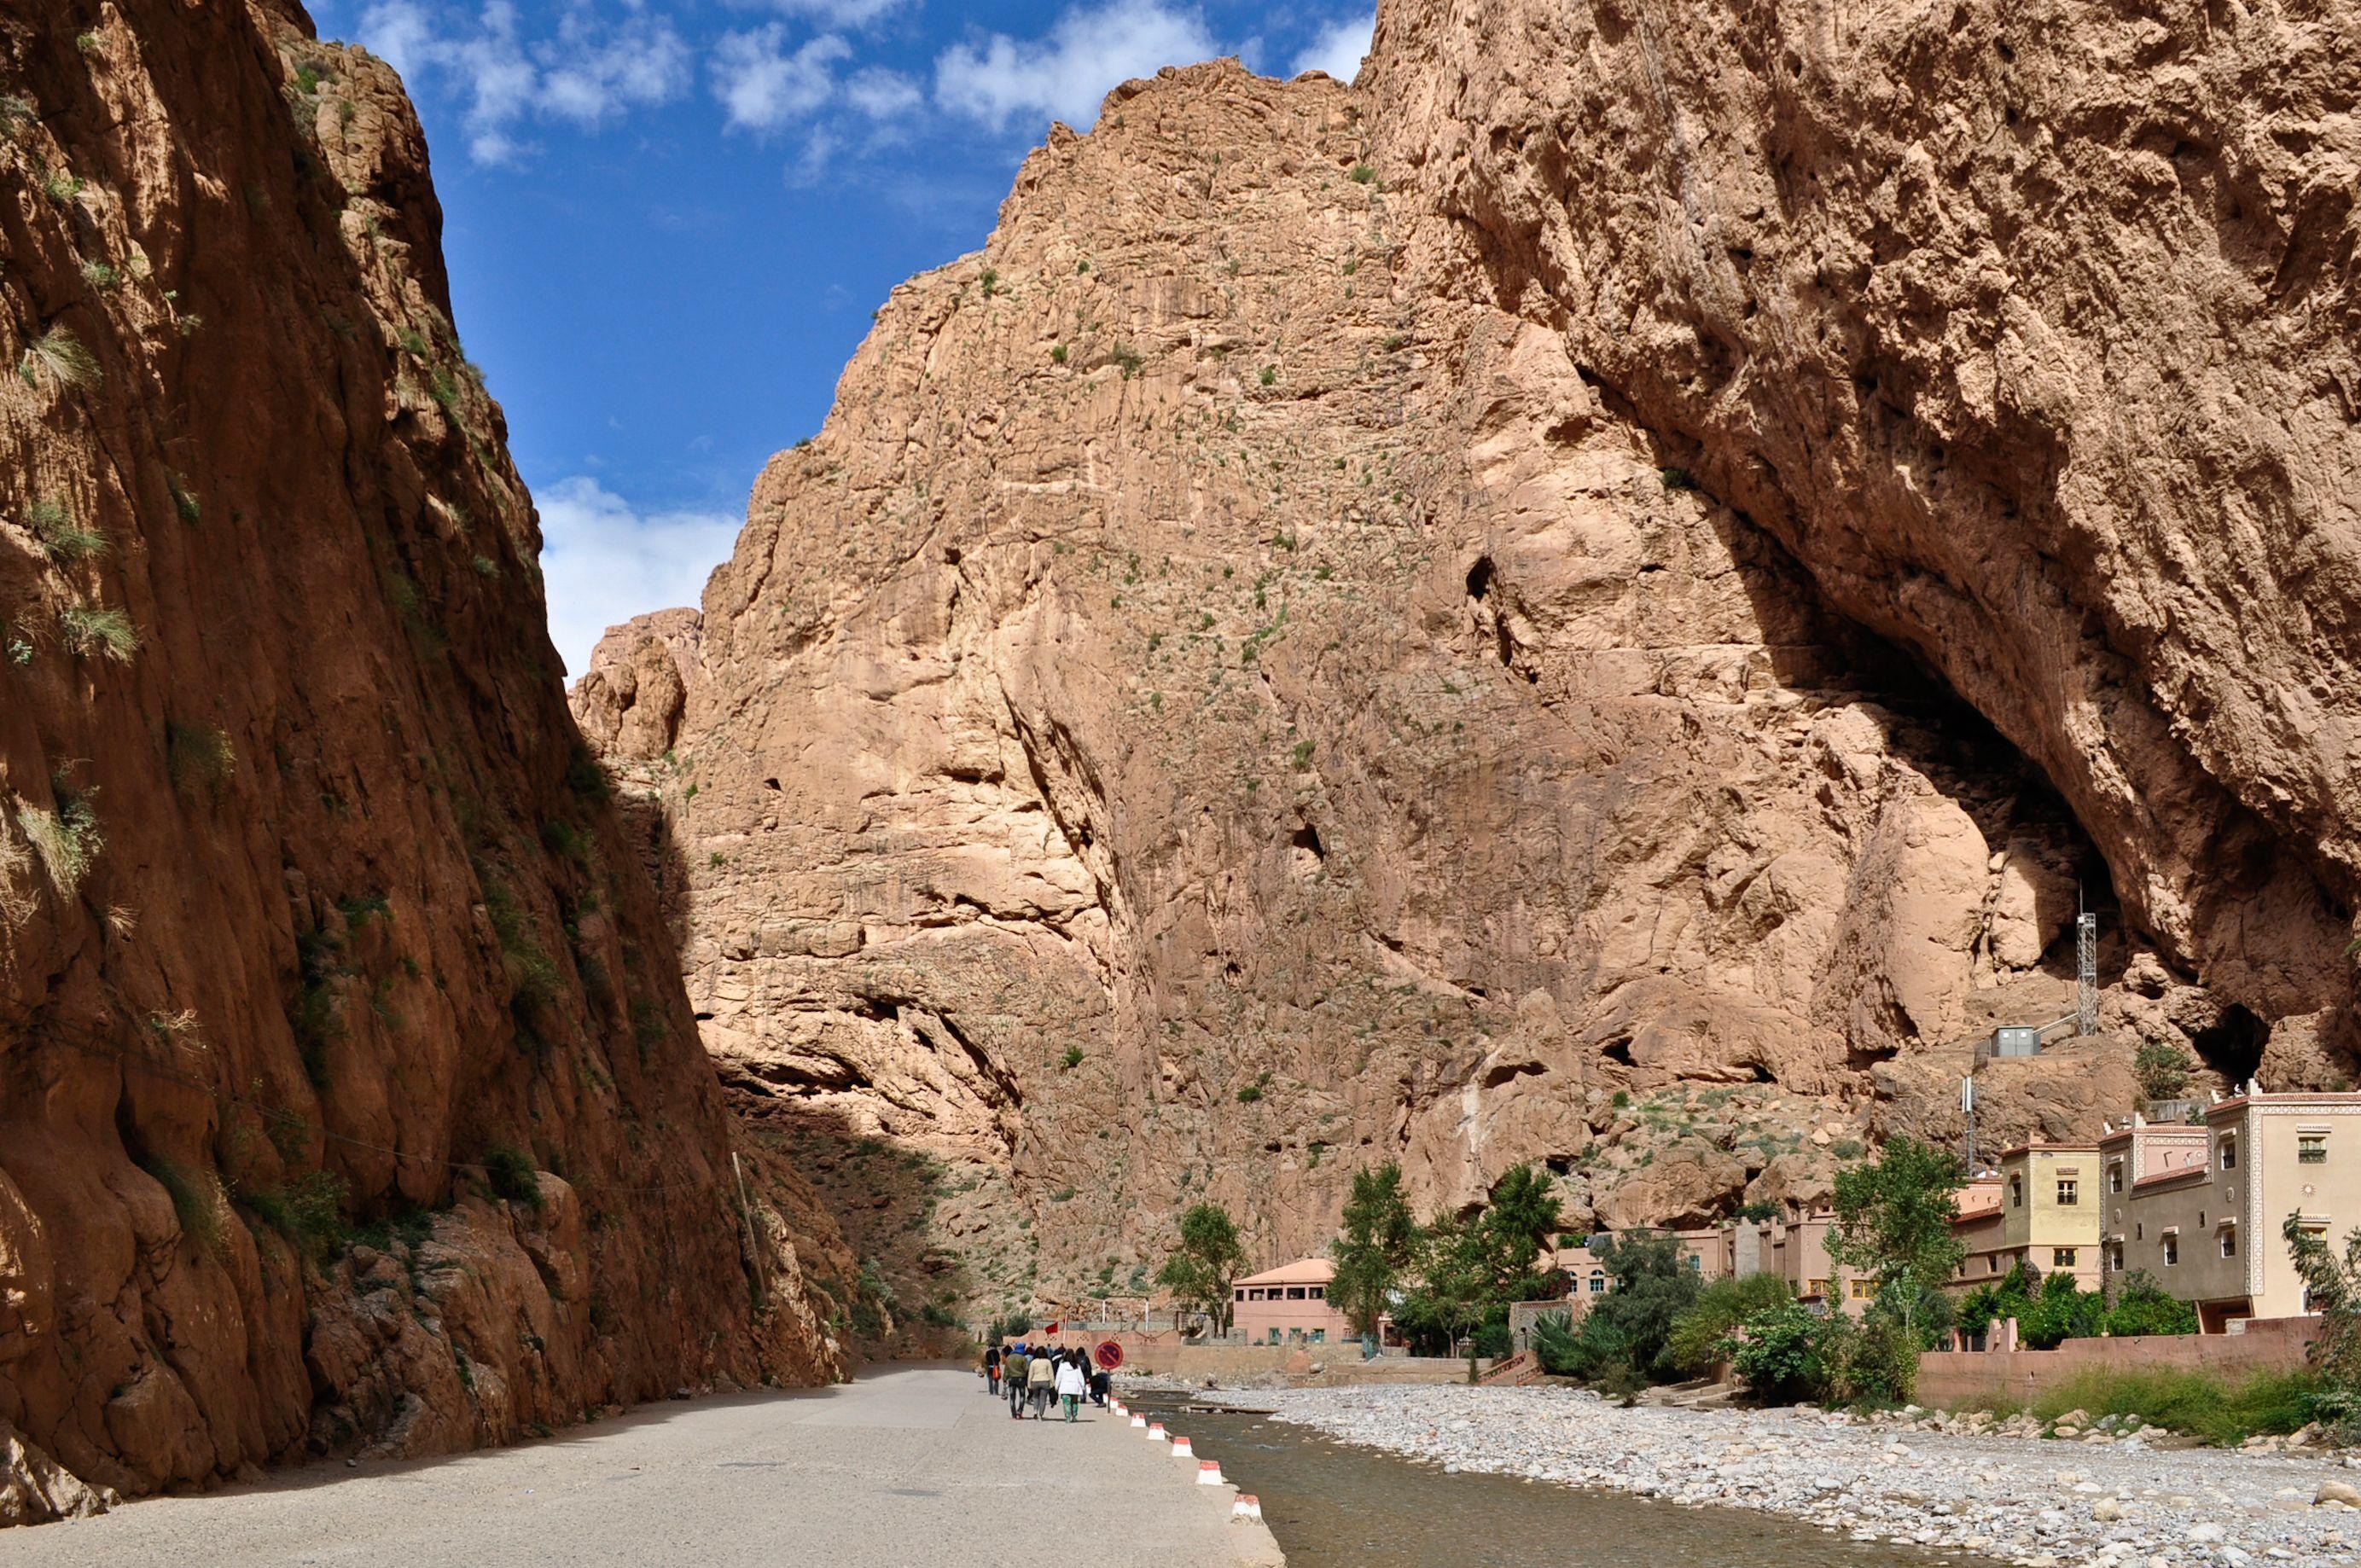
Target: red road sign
(1109, 1355)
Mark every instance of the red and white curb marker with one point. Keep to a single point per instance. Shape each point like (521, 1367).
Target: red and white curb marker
(1181, 1449)
(1155, 1431)
(1248, 1507)
(1140, 1420)
(1209, 1473)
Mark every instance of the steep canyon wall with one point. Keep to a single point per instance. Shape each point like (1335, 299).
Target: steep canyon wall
(1439, 622)
(348, 1094)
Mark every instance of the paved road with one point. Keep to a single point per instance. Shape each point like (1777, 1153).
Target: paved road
(904, 1466)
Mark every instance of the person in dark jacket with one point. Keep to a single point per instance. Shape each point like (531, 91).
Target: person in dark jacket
(991, 1370)
(1102, 1380)
(1015, 1367)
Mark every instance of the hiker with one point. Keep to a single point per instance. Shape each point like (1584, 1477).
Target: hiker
(1101, 1381)
(1014, 1368)
(1042, 1375)
(991, 1370)
(1071, 1384)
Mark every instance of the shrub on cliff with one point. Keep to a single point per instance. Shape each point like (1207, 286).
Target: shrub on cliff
(2162, 1069)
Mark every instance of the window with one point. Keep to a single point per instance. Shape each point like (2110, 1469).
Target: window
(1696, 1263)
(2115, 1177)
(1598, 1282)
(2229, 1154)
(2172, 1249)
(2017, 1192)
(1319, 1336)
(2061, 1257)
(2312, 1148)
(1295, 1292)
(1320, 1292)
(2115, 1256)
(1816, 1287)
(1860, 1289)
(2229, 1241)
(2070, 1192)
(1274, 1336)
(1242, 1294)
(1992, 1263)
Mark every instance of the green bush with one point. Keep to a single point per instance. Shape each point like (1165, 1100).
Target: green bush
(101, 632)
(2162, 1069)
(62, 538)
(1697, 1343)
(196, 1201)
(1782, 1350)
(309, 1211)
(512, 1175)
(59, 353)
(2143, 1307)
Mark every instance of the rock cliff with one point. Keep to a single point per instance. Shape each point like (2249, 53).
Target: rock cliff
(1569, 603)
(348, 1096)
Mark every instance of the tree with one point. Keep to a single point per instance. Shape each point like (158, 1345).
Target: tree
(2162, 1069)
(1380, 1241)
(1202, 1269)
(1892, 1222)
(1699, 1341)
(2332, 1288)
(1516, 1226)
(1621, 1343)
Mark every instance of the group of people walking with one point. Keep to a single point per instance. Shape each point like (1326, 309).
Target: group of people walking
(1032, 1375)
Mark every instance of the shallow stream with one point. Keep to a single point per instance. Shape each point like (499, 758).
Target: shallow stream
(1336, 1505)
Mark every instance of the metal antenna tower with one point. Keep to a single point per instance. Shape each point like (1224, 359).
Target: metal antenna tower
(2086, 971)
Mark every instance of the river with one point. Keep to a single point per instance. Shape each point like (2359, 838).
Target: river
(1334, 1504)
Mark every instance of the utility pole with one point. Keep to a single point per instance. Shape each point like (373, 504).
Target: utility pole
(2086, 972)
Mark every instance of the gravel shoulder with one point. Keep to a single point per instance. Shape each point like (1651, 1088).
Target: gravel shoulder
(2028, 1501)
(905, 1465)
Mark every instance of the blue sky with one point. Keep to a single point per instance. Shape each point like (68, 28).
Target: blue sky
(668, 221)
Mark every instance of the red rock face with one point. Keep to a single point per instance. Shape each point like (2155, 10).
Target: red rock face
(2028, 329)
(1235, 692)
(348, 1092)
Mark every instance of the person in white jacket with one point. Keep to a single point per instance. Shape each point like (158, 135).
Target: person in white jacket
(1071, 1386)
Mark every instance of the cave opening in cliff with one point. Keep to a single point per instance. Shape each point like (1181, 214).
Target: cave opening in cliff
(2232, 1044)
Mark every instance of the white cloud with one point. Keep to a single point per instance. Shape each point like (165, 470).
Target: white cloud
(1338, 49)
(602, 562)
(585, 73)
(764, 85)
(834, 13)
(1066, 73)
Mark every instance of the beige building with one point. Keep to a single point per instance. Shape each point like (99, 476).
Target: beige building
(1796, 1250)
(1288, 1305)
(2203, 1208)
(2042, 1207)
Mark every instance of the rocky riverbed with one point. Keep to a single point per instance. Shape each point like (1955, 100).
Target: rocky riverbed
(2038, 1502)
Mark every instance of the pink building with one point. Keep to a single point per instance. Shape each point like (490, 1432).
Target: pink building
(1288, 1305)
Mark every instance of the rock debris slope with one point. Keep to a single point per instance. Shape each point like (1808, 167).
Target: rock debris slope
(1264, 669)
(348, 1096)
